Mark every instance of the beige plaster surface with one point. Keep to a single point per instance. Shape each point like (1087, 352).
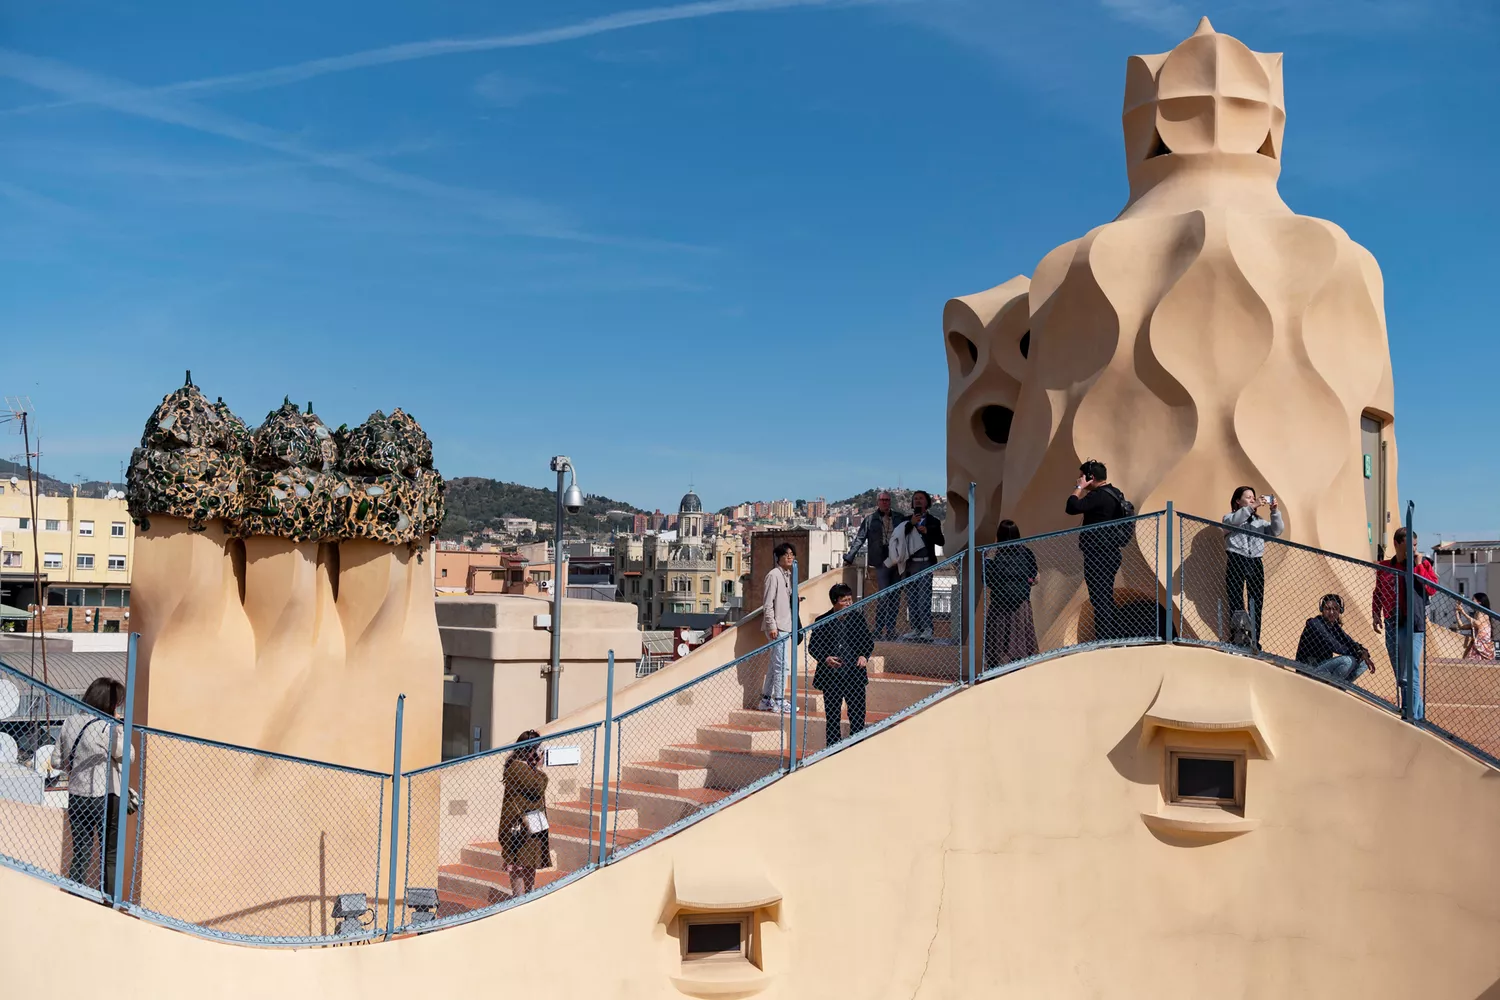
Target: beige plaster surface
(993, 845)
(743, 639)
(1206, 338)
(492, 642)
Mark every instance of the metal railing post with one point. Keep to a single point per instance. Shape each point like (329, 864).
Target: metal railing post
(792, 660)
(973, 600)
(609, 725)
(390, 899)
(1406, 642)
(1171, 630)
(118, 889)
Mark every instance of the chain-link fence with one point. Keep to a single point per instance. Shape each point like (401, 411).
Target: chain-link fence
(1080, 588)
(59, 786)
(484, 831)
(881, 658)
(1460, 676)
(1299, 606)
(262, 848)
(246, 845)
(688, 750)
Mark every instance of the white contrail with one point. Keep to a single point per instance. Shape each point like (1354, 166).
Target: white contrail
(278, 76)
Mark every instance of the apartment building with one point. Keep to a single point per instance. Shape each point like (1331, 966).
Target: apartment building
(87, 549)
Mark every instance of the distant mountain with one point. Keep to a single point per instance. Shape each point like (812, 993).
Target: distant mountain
(474, 502)
(900, 500)
(92, 488)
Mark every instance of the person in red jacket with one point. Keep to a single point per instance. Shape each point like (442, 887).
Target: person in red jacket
(1388, 605)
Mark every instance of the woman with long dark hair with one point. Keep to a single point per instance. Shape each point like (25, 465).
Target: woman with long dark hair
(90, 749)
(1009, 574)
(525, 844)
(1245, 549)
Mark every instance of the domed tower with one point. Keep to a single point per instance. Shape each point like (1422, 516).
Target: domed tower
(690, 516)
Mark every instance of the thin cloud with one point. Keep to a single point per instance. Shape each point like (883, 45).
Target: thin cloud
(280, 76)
(519, 216)
(1163, 15)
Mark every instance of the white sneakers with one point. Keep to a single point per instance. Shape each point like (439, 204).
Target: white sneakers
(767, 705)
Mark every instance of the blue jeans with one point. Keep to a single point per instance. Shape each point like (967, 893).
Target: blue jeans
(1342, 668)
(1418, 647)
(773, 690)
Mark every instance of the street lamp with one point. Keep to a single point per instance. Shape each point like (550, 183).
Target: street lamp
(573, 501)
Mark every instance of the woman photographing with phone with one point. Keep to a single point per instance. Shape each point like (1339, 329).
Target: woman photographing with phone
(1244, 568)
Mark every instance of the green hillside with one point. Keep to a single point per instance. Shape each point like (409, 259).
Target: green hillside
(474, 502)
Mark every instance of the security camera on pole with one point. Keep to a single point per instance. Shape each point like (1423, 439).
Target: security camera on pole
(573, 501)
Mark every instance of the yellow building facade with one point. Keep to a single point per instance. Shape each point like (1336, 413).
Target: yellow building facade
(86, 546)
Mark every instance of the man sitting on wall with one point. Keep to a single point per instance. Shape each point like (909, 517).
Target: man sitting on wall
(1327, 648)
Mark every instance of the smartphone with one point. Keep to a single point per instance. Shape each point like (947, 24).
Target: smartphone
(1266, 498)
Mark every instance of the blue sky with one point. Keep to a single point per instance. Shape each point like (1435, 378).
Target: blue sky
(679, 243)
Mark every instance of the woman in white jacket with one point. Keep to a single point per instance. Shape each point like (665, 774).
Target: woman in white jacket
(90, 748)
(1244, 568)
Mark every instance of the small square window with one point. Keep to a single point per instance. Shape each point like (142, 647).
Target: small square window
(86, 528)
(117, 563)
(117, 529)
(51, 525)
(24, 523)
(715, 935)
(52, 560)
(10, 559)
(85, 561)
(1206, 778)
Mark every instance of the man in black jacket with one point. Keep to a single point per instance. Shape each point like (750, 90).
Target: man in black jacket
(876, 531)
(1098, 502)
(1327, 648)
(842, 647)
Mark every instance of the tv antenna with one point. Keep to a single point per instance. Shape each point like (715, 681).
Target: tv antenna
(17, 410)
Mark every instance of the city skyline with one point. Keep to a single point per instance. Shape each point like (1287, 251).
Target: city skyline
(411, 208)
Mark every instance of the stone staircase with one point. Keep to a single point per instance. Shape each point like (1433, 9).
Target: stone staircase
(679, 779)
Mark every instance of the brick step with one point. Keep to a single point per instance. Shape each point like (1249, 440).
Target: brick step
(660, 807)
(585, 814)
(574, 847)
(920, 659)
(813, 725)
(729, 769)
(886, 693)
(664, 774)
(451, 904)
(741, 737)
(754, 718)
(488, 855)
(483, 883)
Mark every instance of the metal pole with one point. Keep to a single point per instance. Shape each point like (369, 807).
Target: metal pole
(1171, 634)
(390, 896)
(558, 589)
(1407, 643)
(973, 602)
(792, 660)
(118, 889)
(609, 725)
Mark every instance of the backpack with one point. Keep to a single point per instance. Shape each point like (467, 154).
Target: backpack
(1123, 533)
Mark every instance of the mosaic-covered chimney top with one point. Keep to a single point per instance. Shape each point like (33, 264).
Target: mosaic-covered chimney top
(291, 478)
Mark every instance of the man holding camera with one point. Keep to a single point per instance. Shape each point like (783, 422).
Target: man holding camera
(1099, 502)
